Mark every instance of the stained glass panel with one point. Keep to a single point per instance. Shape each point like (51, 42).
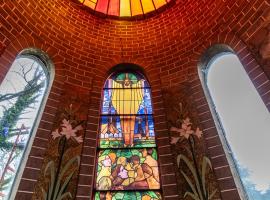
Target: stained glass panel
(90, 4)
(136, 7)
(147, 6)
(127, 119)
(112, 136)
(114, 7)
(146, 195)
(124, 8)
(127, 169)
(159, 3)
(102, 6)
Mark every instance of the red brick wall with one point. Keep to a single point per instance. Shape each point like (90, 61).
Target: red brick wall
(168, 45)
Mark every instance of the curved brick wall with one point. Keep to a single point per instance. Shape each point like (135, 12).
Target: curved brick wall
(168, 45)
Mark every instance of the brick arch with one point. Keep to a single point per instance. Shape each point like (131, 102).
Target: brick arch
(87, 166)
(213, 142)
(255, 72)
(34, 161)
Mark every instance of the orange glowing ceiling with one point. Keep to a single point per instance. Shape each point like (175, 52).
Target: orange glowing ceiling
(124, 8)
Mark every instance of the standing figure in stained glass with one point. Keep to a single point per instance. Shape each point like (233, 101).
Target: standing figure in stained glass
(127, 97)
(104, 180)
(110, 127)
(140, 131)
(153, 179)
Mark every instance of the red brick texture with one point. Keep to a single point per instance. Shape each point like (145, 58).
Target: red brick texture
(168, 45)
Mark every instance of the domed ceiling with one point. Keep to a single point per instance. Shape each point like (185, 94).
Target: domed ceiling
(124, 8)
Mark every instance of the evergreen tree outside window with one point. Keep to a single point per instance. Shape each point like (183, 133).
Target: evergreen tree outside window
(127, 166)
(21, 95)
(243, 120)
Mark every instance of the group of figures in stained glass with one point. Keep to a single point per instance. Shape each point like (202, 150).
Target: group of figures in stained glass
(127, 160)
(127, 169)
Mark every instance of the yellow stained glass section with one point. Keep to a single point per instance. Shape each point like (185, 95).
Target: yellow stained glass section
(136, 7)
(147, 6)
(132, 98)
(125, 8)
(90, 4)
(159, 3)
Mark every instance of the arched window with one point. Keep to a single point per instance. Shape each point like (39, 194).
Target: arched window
(21, 95)
(127, 166)
(243, 120)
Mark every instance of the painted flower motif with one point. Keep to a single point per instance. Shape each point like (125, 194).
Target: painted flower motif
(68, 131)
(186, 122)
(174, 140)
(79, 139)
(198, 133)
(55, 134)
(185, 131)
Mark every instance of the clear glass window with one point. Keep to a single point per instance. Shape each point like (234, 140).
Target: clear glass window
(21, 95)
(245, 121)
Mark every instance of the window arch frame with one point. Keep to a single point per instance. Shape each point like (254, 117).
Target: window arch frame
(118, 69)
(48, 67)
(205, 62)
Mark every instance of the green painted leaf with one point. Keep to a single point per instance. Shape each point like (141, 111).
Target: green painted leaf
(212, 195)
(193, 171)
(191, 195)
(204, 171)
(190, 183)
(65, 195)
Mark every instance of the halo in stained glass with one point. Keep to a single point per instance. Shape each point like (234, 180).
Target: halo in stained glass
(124, 8)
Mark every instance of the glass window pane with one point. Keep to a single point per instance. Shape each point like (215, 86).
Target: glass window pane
(114, 7)
(21, 94)
(246, 122)
(136, 7)
(147, 6)
(125, 8)
(159, 3)
(102, 6)
(90, 3)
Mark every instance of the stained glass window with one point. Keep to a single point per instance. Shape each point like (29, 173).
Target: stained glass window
(127, 158)
(124, 8)
(21, 94)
